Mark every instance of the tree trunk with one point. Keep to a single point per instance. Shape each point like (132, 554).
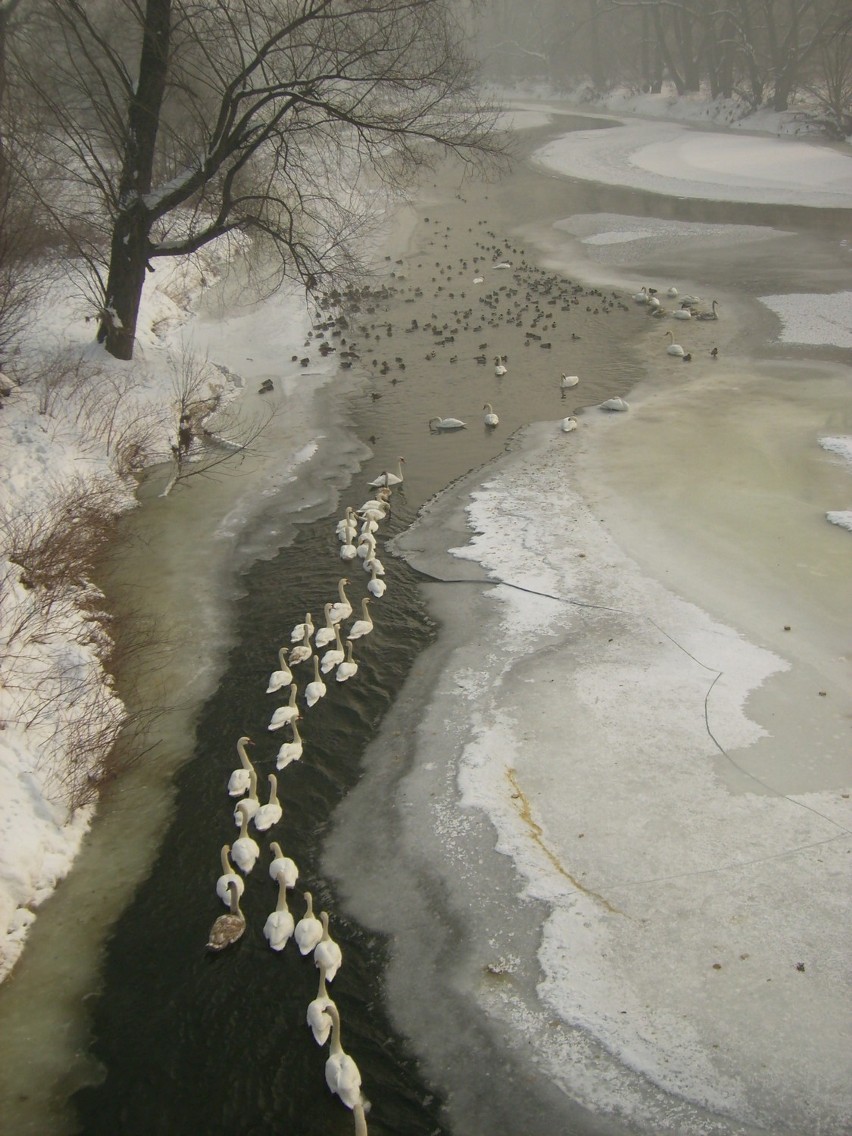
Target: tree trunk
(130, 246)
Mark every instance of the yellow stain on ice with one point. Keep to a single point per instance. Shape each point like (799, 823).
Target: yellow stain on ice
(525, 810)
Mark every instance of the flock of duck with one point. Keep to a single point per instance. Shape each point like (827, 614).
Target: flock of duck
(322, 649)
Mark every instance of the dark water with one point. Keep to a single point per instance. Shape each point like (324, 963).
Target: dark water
(192, 1043)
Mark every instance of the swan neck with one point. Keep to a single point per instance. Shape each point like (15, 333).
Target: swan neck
(241, 750)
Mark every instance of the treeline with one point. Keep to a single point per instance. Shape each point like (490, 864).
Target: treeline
(765, 52)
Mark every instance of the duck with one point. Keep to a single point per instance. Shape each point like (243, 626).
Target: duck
(283, 676)
(568, 381)
(317, 1016)
(348, 668)
(568, 424)
(711, 315)
(384, 479)
(316, 689)
(362, 626)
(325, 635)
(279, 925)
(240, 780)
(271, 812)
(229, 927)
(298, 632)
(490, 418)
(500, 368)
(327, 952)
(615, 404)
(333, 655)
(343, 608)
(302, 651)
(436, 424)
(674, 348)
(341, 1073)
(375, 586)
(714, 352)
(308, 930)
(286, 713)
(228, 874)
(249, 804)
(244, 850)
(292, 750)
(282, 865)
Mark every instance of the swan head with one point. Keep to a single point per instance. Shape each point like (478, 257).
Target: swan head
(276, 850)
(245, 741)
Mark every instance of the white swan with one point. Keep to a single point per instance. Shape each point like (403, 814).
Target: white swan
(368, 528)
(316, 689)
(568, 424)
(283, 676)
(348, 668)
(373, 564)
(239, 781)
(343, 608)
(367, 546)
(500, 368)
(568, 381)
(245, 850)
(375, 586)
(299, 630)
(384, 479)
(436, 424)
(282, 865)
(317, 1017)
(362, 626)
(325, 635)
(641, 297)
(271, 812)
(490, 418)
(229, 927)
(286, 713)
(674, 348)
(690, 300)
(228, 874)
(682, 314)
(671, 292)
(341, 1073)
(347, 526)
(309, 929)
(303, 651)
(249, 805)
(327, 953)
(615, 404)
(334, 655)
(279, 925)
(290, 751)
(348, 551)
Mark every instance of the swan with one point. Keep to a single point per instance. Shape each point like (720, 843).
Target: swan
(240, 780)
(290, 751)
(283, 676)
(347, 525)
(384, 479)
(286, 713)
(373, 564)
(653, 303)
(299, 630)
(341, 1072)
(279, 924)
(229, 927)
(316, 1017)
(348, 551)
(271, 812)
(436, 424)
(343, 608)
(249, 805)
(309, 929)
(368, 528)
(490, 418)
(316, 689)
(568, 424)
(367, 546)
(282, 866)
(375, 586)
(690, 301)
(362, 626)
(228, 874)
(327, 954)
(499, 367)
(709, 315)
(303, 651)
(334, 655)
(671, 292)
(641, 297)
(325, 635)
(674, 348)
(359, 1111)
(245, 850)
(348, 667)
(682, 314)
(615, 404)
(568, 381)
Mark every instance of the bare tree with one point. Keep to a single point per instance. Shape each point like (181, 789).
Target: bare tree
(171, 123)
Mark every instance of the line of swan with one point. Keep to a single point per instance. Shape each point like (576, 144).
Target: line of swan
(228, 927)
(240, 780)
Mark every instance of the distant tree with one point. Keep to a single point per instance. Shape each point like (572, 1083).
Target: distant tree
(169, 124)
